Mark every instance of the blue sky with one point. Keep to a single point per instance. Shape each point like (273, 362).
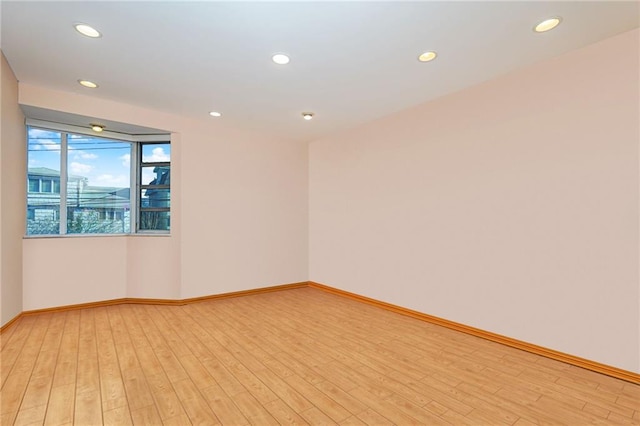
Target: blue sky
(103, 162)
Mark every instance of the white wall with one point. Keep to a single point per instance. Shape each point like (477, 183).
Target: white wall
(68, 271)
(244, 213)
(511, 206)
(12, 189)
(239, 216)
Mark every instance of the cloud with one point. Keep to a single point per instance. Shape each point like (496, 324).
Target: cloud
(79, 168)
(126, 160)
(34, 132)
(40, 140)
(147, 175)
(47, 144)
(82, 155)
(157, 155)
(120, 181)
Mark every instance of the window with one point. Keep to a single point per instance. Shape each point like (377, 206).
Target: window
(34, 185)
(47, 185)
(155, 186)
(110, 186)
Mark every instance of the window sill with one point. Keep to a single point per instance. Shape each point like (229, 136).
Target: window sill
(141, 234)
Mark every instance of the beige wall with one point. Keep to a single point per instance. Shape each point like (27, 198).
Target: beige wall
(511, 206)
(12, 189)
(239, 217)
(72, 270)
(68, 271)
(244, 212)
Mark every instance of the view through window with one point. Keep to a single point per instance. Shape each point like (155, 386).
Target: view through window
(80, 184)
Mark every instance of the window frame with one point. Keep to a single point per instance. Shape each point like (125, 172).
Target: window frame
(140, 187)
(136, 142)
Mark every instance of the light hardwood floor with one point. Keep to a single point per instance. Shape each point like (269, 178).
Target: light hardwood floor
(294, 356)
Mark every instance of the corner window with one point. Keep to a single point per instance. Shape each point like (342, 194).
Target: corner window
(109, 186)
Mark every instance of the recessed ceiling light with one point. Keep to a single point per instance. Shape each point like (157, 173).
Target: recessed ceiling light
(427, 56)
(547, 24)
(307, 115)
(87, 30)
(97, 127)
(215, 114)
(280, 59)
(87, 83)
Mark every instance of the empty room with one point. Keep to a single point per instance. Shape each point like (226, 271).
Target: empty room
(349, 213)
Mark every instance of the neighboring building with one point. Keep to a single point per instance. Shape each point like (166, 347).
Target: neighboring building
(155, 204)
(159, 197)
(43, 199)
(90, 209)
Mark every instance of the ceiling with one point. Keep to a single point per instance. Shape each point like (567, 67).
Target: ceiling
(351, 62)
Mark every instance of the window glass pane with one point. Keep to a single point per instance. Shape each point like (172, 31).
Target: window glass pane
(155, 175)
(46, 185)
(34, 185)
(154, 198)
(56, 186)
(98, 185)
(155, 221)
(156, 152)
(43, 159)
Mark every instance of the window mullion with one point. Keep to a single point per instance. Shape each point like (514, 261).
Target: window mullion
(134, 185)
(63, 183)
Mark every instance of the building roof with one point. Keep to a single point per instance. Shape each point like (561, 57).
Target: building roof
(45, 171)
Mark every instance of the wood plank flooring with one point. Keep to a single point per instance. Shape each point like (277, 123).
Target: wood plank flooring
(298, 356)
